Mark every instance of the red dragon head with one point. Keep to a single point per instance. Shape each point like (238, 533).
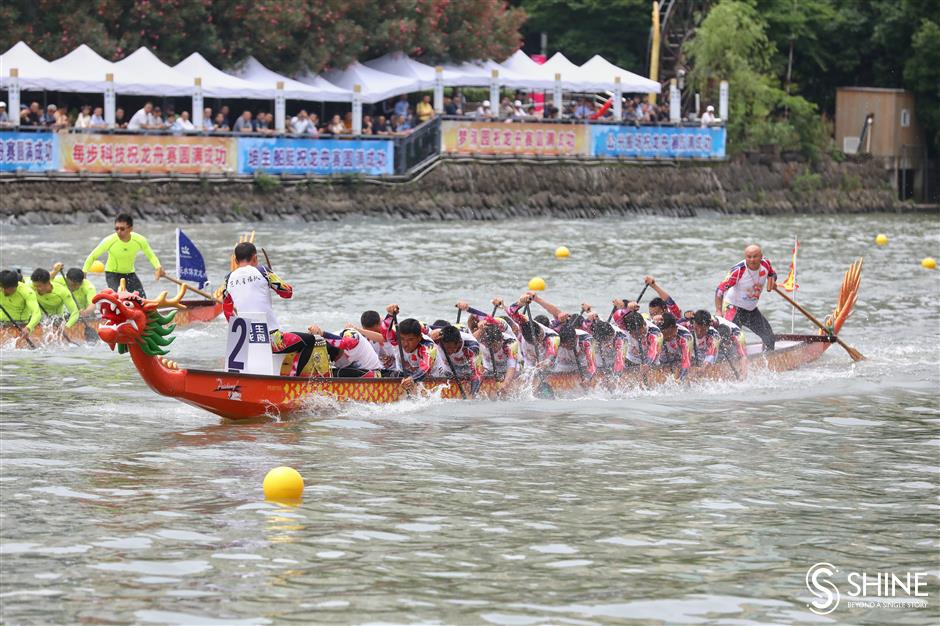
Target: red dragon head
(126, 319)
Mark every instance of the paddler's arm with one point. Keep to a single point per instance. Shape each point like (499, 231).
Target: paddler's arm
(32, 305)
(148, 252)
(56, 268)
(97, 252)
(70, 305)
(368, 334)
(553, 310)
(89, 291)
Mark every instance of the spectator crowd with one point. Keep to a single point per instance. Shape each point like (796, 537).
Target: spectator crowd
(394, 117)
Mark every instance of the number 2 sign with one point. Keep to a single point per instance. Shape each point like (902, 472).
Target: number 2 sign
(249, 345)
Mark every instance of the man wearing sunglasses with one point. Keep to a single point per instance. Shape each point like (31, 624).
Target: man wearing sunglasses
(122, 248)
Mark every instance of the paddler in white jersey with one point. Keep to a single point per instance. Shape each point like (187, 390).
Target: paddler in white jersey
(248, 288)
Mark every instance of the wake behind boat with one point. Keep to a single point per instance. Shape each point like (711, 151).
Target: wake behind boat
(135, 325)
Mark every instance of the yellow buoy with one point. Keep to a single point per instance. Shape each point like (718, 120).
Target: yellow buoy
(283, 484)
(929, 263)
(562, 252)
(97, 267)
(881, 239)
(537, 284)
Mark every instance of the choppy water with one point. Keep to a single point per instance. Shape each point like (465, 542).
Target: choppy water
(693, 506)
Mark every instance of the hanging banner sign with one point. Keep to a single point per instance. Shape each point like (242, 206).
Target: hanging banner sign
(147, 153)
(34, 152)
(658, 142)
(276, 155)
(512, 138)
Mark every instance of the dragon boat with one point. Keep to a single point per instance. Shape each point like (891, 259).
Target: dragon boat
(86, 330)
(139, 327)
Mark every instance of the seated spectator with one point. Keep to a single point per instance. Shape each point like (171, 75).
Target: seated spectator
(244, 124)
(207, 123)
(119, 121)
(450, 107)
(61, 117)
(336, 127)
(366, 125)
(157, 121)
(220, 125)
(709, 117)
(584, 110)
(263, 125)
(172, 124)
(301, 124)
(314, 125)
(505, 107)
(143, 119)
(380, 126)
(33, 115)
(183, 123)
(97, 119)
(424, 111)
(460, 102)
(226, 116)
(347, 122)
(402, 106)
(518, 110)
(4, 118)
(48, 119)
(484, 110)
(404, 125)
(84, 117)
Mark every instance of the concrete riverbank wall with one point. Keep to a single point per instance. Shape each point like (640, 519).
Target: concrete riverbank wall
(462, 188)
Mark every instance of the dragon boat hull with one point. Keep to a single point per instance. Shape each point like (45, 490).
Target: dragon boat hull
(237, 396)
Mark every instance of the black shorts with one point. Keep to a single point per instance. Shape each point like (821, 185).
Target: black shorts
(131, 282)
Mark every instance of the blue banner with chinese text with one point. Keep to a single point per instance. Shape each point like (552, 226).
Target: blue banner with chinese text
(276, 155)
(658, 142)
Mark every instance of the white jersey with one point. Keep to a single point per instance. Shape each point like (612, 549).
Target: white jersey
(251, 293)
(357, 352)
(387, 354)
(464, 360)
(506, 355)
(565, 358)
(546, 349)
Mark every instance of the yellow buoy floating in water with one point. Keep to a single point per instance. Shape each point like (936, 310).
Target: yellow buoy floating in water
(881, 239)
(283, 484)
(537, 284)
(562, 252)
(929, 263)
(97, 267)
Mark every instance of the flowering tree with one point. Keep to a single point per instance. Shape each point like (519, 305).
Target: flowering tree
(288, 36)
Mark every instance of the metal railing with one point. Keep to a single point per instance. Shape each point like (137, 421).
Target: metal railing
(421, 145)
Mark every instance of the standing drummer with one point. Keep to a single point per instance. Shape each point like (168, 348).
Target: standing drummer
(122, 248)
(743, 286)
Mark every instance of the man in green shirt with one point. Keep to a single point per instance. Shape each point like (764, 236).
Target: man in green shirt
(53, 299)
(122, 248)
(82, 289)
(18, 302)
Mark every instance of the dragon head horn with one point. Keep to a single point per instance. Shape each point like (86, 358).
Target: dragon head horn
(162, 302)
(122, 286)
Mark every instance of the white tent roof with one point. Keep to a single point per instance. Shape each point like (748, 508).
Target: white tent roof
(600, 69)
(85, 64)
(218, 84)
(253, 70)
(399, 64)
(144, 74)
(36, 73)
(521, 63)
(477, 74)
(375, 85)
(572, 77)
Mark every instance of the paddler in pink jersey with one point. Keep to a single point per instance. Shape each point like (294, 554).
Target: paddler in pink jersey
(746, 281)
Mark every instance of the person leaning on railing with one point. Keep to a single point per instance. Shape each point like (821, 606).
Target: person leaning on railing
(4, 118)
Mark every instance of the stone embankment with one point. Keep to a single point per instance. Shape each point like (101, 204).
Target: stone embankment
(466, 189)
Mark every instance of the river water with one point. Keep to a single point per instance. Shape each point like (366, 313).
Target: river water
(702, 505)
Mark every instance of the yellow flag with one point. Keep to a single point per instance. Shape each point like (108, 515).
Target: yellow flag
(790, 283)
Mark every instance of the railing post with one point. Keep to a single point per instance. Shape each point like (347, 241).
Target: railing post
(723, 101)
(438, 89)
(675, 114)
(556, 96)
(280, 104)
(13, 94)
(110, 100)
(197, 103)
(357, 110)
(494, 92)
(618, 99)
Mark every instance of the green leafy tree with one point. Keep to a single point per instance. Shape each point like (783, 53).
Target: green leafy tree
(922, 75)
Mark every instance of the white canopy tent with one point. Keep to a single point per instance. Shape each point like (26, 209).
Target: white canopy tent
(151, 76)
(86, 64)
(600, 70)
(318, 91)
(572, 77)
(400, 65)
(36, 73)
(218, 84)
(374, 85)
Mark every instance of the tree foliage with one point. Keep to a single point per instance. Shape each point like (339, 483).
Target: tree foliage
(287, 36)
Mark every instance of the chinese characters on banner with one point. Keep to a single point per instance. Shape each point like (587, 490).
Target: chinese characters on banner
(28, 151)
(315, 156)
(658, 142)
(148, 153)
(502, 138)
